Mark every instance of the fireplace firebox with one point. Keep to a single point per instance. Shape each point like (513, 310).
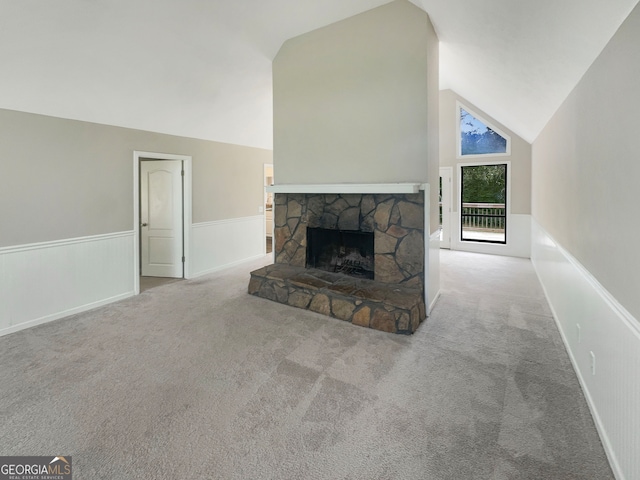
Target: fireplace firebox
(342, 251)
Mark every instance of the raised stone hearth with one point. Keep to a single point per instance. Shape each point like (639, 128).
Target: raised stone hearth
(367, 303)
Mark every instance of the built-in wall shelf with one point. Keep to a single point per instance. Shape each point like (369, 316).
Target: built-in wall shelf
(335, 188)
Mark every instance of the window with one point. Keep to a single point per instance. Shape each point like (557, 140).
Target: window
(477, 137)
(483, 200)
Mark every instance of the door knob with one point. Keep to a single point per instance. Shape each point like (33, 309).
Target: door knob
(143, 224)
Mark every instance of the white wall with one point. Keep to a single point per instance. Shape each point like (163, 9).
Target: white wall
(585, 173)
(351, 100)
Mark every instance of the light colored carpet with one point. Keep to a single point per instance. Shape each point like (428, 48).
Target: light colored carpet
(199, 380)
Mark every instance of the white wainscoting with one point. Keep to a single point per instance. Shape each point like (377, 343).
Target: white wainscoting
(223, 243)
(45, 281)
(607, 330)
(433, 284)
(518, 238)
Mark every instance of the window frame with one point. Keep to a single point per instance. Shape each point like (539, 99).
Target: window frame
(499, 131)
(507, 221)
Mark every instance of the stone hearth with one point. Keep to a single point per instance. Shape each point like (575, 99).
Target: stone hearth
(393, 301)
(395, 309)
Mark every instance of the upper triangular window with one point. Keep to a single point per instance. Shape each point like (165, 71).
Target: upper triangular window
(478, 138)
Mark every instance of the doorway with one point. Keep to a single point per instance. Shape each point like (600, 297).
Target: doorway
(162, 216)
(483, 203)
(445, 201)
(268, 208)
(161, 211)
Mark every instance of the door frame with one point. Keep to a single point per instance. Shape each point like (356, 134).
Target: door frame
(446, 216)
(186, 209)
(459, 240)
(265, 167)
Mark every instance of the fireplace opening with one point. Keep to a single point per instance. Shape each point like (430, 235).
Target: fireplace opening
(343, 251)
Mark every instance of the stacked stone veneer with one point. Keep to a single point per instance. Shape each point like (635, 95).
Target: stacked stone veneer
(393, 301)
(367, 303)
(397, 222)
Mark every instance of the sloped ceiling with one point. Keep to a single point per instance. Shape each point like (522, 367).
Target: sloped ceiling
(202, 68)
(518, 60)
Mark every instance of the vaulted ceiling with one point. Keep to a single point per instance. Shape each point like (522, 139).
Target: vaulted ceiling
(202, 68)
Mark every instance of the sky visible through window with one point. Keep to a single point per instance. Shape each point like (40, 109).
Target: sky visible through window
(476, 138)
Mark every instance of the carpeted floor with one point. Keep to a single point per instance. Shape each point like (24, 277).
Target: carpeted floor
(199, 380)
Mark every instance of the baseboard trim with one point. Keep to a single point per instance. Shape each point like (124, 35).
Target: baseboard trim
(597, 420)
(229, 265)
(432, 267)
(222, 243)
(66, 313)
(42, 282)
(434, 301)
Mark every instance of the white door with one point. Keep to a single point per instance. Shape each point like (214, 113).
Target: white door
(161, 218)
(446, 197)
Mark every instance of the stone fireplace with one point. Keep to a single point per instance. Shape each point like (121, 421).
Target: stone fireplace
(359, 257)
(395, 220)
(341, 117)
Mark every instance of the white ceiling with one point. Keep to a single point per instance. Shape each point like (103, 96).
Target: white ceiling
(518, 60)
(202, 68)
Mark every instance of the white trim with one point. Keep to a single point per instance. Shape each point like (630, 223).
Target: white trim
(65, 313)
(222, 243)
(602, 432)
(431, 254)
(226, 221)
(345, 188)
(265, 167)
(434, 301)
(427, 254)
(629, 320)
(228, 265)
(499, 131)
(187, 208)
(45, 281)
(447, 215)
(63, 242)
(433, 269)
(609, 330)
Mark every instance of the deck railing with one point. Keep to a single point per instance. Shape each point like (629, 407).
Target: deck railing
(483, 216)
